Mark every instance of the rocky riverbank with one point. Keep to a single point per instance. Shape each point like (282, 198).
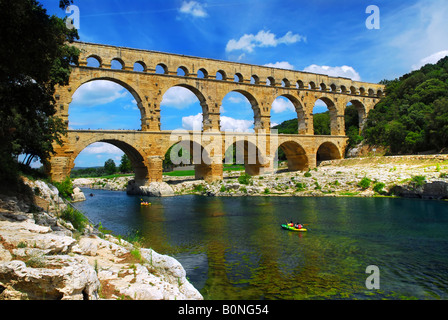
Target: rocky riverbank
(44, 257)
(405, 176)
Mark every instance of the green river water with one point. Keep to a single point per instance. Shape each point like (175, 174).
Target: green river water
(234, 247)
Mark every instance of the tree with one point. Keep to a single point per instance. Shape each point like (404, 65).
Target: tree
(110, 167)
(36, 56)
(125, 165)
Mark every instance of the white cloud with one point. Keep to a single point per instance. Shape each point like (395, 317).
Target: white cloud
(179, 98)
(193, 8)
(280, 65)
(249, 42)
(98, 92)
(344, 71)
(433, 59)
(192, 122)
(231, 124)
(101, 147)
(281, 105)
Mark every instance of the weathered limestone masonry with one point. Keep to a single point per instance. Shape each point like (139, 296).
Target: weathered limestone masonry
(210, 80)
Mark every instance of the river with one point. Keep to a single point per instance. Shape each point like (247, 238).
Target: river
(234, 247)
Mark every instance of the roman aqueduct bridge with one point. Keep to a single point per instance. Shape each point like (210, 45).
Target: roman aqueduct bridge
(147, 75)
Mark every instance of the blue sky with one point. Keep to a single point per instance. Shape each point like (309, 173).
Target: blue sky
(322, 36)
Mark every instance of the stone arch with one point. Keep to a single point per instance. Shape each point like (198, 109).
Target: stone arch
(136, 95)
(161, 68)
(182, 71)
(206, 121)
(328, 151)
(117, 64)
(136, 157)
(254, 79)
(238, 77)
(301, 113)
(247, 153)
(221, 75)
(193, 154)
(202, 73)
(254, 104)
(295, 155)
(286, 83)
(96, 58)
(270, 81)
(140, 66)
(360, 107)
(334, 114)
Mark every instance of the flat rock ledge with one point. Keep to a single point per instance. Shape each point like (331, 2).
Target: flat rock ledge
(42, 257)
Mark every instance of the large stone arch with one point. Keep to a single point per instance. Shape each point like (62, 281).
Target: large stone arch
(362, 112)
(254, 105)
(206, 165)
(75, 86)
(302, 119)
(328, 151)
(296, 156)
(336, 115)
(248, 152)
(137, 157)
(206, 120)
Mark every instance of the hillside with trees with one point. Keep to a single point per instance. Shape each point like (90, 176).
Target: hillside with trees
(414, 115)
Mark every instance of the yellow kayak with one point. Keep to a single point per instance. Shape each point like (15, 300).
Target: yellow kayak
(286, 227)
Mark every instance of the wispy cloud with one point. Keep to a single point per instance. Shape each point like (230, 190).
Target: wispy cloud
(344, 71)
(101, 147)
(434, 58)
(281, 105)
(280, 65)
(193, 8)
(179, 98)
(249, 42)
(98, 92)
(194, 122)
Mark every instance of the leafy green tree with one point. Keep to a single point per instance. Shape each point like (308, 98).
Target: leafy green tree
(125, 164)
(36, 56)
(322, 123)
(110, 167)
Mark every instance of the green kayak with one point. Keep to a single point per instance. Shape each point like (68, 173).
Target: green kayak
(286, 227)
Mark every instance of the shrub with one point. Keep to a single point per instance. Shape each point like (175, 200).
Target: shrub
(77, 218)
(199, 188)
(223, 188)
(300, 186)
(244, 179)
(266, 191)
(307, 174)
(65, 188)
(364, 183)
(418, 180)
(378, 187)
